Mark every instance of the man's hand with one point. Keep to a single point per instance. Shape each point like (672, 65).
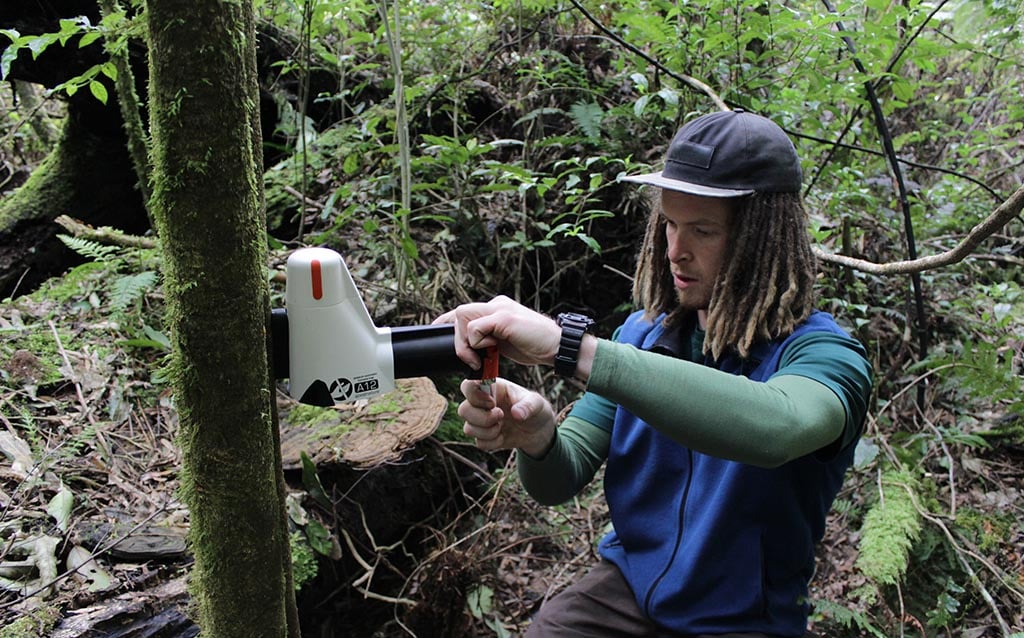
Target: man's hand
(514, 418)
(521, 334)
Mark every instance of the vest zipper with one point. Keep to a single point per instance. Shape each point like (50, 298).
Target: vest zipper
(679, 537)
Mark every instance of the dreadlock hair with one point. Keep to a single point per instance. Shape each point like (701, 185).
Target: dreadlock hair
(766, 284)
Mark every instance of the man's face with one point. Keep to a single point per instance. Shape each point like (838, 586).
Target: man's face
(697, 230)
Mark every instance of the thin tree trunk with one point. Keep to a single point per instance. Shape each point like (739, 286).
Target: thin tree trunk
(207, 203)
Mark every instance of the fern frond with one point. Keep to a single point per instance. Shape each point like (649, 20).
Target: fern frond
(890, 528)
(846, 617)
(588, 116)
(90, 249)
(126, 290)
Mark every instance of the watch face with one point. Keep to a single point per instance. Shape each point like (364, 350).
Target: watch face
(573, 317)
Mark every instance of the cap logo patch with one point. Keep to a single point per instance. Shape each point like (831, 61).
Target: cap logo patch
(692, 154)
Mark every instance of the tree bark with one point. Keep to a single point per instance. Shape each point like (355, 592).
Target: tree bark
(208, 207)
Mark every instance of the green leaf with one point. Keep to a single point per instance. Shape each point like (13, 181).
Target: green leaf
(480, 601)
(319, 537)
(128, 289)
(89, 38)
(9, 55)
(109, 70)
(157, 336)
(98, 91)
(312, 482)
(38, 44)
(590, 242)
(409, 247)
(351, 164)
(865, 453)
(141, 343)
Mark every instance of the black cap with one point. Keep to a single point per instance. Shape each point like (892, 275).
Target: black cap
(728, 154)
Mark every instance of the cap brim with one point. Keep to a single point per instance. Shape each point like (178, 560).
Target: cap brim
(657, 179)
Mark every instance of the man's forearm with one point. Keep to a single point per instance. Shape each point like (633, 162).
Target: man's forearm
(717, 413)
(568, 466)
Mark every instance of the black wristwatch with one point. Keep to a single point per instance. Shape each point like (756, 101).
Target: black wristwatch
(574, 326)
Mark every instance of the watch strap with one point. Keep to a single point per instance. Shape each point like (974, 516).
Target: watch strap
(574, 326)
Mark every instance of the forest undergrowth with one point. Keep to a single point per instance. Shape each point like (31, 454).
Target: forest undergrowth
(520, 125)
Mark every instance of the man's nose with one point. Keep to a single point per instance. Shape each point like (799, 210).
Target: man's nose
(678, 251)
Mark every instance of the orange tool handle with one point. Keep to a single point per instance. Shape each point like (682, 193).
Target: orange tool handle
(490, 371)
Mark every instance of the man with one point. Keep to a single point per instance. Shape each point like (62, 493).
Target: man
(726, 410)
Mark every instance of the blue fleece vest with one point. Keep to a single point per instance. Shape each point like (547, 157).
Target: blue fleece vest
(709, 545)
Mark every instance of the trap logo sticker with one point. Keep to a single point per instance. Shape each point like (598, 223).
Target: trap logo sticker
(343, 389)
(366, 385)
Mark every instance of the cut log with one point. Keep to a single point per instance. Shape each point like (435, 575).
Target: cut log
(364, 434)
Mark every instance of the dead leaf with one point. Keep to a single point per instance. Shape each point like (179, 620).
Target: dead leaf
(60, 507)
(86, 569)
(19, 452)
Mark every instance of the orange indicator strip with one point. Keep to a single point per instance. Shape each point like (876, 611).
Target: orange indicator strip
(317, 277)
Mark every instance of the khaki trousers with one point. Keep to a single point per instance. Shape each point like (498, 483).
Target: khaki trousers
(601, 605)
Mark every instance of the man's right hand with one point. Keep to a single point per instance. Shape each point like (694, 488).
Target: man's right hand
(514, 418)
(521, 334)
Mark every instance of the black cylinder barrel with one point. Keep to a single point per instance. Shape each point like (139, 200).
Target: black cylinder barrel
(423, 351)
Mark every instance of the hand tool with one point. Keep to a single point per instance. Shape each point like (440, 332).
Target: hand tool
(327, 346)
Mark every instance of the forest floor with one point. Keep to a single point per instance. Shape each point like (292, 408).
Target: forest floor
(94, 532)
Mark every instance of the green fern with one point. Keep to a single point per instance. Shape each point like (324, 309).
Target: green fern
(127, 289)
(91, 249)
(588, 116)
(847, 618)
(890, 528)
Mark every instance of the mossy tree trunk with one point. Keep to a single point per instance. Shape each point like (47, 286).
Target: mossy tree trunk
(208, 207)
(88, 176)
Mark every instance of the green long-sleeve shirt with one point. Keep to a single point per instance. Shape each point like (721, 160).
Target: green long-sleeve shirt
(814, 403)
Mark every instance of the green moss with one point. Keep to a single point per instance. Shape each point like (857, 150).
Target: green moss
(338, 429)
(304, 563)
(989, 531)
(450, 428)
(76, 284)
(310, 415)
(890, 529)
(44, 365)
(37, 622)
(386, 404)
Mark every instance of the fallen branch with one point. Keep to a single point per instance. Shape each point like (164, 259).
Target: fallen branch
(985, 229)
(104, 235)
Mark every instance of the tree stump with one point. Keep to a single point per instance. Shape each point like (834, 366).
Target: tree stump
(390, 489)
(364, 434)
